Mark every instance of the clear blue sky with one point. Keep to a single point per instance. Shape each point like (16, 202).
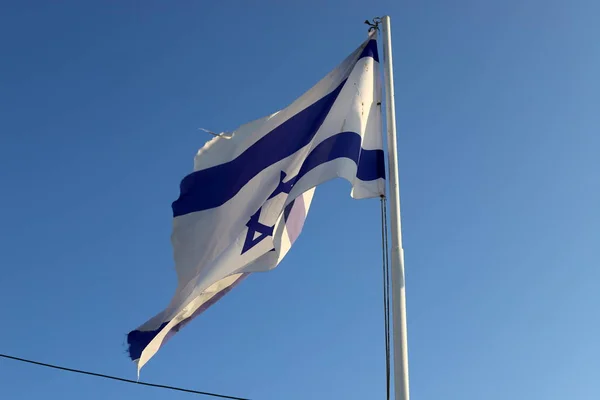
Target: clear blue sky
(498, 113)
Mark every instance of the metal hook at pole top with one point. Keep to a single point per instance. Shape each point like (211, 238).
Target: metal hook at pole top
(373, 24)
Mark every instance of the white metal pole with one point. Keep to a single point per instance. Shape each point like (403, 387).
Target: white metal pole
(399, 335)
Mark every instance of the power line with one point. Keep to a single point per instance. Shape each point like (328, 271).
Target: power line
(116, 378)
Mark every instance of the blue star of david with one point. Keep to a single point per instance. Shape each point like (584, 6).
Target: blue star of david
(255, 226)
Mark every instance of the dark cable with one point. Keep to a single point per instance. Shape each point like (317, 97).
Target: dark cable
(116, 378)
(386, 292)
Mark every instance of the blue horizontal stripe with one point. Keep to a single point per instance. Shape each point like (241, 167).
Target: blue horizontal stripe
(371, 166)
(371, 163)
(370, 50)
(218, 184)
(212, 187)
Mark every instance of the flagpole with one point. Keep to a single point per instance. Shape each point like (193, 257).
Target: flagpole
(399, 334)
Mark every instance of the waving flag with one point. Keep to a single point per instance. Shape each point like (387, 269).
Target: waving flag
(245, 203)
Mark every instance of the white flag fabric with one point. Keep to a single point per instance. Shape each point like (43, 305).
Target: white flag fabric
(245, 203)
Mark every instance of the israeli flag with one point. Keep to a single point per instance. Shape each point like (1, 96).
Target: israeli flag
(245, 203)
